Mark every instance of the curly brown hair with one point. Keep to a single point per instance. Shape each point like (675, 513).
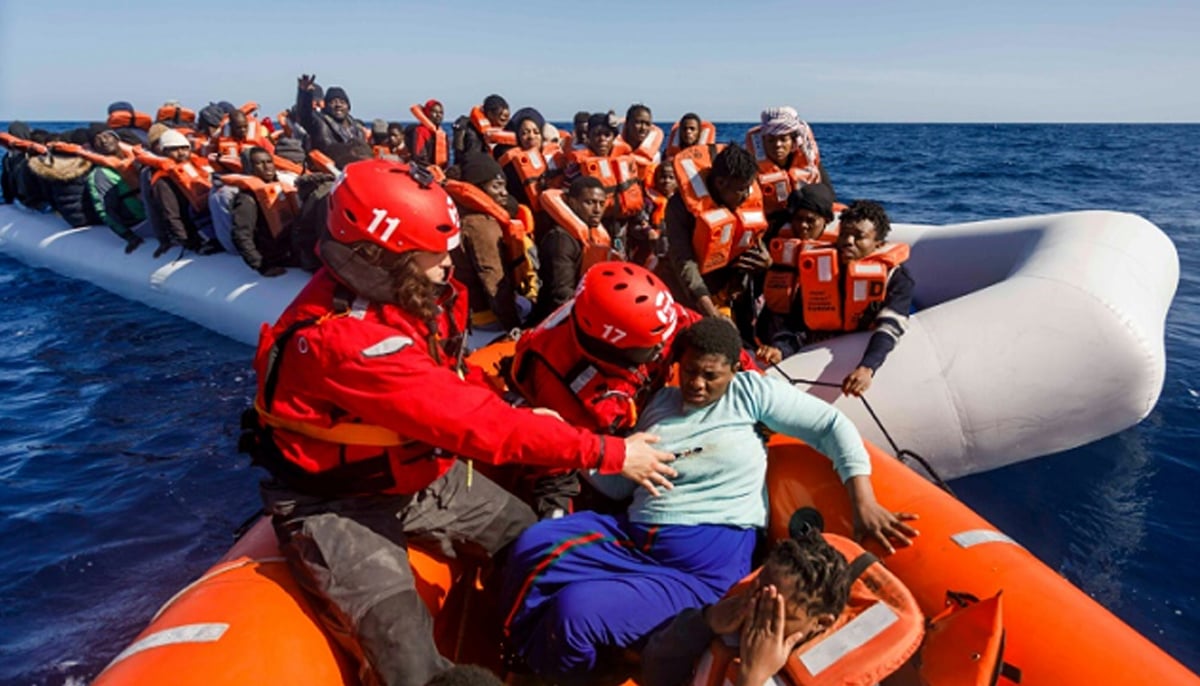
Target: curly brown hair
(414, 292)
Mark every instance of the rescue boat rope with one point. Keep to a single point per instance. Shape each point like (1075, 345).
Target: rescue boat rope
(901, 454)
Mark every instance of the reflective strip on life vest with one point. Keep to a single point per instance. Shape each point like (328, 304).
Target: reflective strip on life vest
(851, 636)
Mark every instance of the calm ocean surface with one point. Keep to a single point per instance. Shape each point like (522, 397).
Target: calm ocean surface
(120, 483)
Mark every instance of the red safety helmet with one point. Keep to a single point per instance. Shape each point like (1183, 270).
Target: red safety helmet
(394, 205)
(625, 305)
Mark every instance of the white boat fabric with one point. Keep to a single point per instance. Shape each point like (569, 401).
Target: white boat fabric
(1033, 335)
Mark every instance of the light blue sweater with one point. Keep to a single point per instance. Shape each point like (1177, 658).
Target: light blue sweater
(725, 482)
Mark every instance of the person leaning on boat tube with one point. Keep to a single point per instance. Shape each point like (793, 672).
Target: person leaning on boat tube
(802, 309)
(368, 418)
(586, 583)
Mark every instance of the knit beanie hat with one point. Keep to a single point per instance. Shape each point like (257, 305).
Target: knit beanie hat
(518, 117)
(173, 139)
(120, 106)
(479, 169)
(815, 197)
(334, 92)
(211, 115)
(780, 121)
(290, 149)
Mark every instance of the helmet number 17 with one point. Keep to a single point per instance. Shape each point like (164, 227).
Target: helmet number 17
(612, 334)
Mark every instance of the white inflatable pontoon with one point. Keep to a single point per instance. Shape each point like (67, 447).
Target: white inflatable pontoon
(1033, 335)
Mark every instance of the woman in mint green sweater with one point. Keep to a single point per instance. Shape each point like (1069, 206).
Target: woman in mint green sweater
(588, 582)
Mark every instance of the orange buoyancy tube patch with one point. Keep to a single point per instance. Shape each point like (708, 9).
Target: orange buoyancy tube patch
(277, 200)
(620, 177)
(826, 307)
(441, 147)
(778, 183)
(880, 629)
(597, 244)
(537, 169)
(124, 164)
(492, 135)
(720, 234)
(519, 262)
(121, 119)
(708, 136)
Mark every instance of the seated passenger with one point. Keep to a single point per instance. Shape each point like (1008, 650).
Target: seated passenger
(123, 118)
(20, 183)
(426, 139)
(482, 129)
(805, 581)
(208, 126)
(574, 243)
(714, 226)
(480, 262)
(393, 146)
(786, 324)
(640, 138)
(263, 212)
(787, 156)
(810, 214)
(179, 195)
(688, 131)
(114, 202)
(241, 133)
(684, 546)
(65, 178)
(576, 138)
(618, 172)
(647, 244)
(313, 190)
(533, 164)
(333, 124)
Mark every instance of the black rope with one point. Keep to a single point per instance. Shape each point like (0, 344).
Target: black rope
(901, 454)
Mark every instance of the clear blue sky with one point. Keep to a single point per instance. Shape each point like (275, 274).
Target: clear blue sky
(878, 60)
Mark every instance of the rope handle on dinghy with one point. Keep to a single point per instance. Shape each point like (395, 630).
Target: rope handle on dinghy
(902, 454)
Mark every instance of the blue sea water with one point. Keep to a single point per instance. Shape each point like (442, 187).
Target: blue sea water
(119, 480)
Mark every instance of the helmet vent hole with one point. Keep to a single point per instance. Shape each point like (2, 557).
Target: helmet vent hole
(628, 271)
(641, 299)
(350, 216)
(445, 228)
(620, 287)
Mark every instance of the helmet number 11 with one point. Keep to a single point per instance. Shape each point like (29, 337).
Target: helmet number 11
(382, 218)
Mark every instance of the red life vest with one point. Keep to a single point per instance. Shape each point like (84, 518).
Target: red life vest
(519, 263)
(277, 200)
(812, 270)
(880, 629)
(537, 169)
(597, 244)
(492, 135)
(708, 136)
(720, 234)
(620, 177)
(777, 183)
(441, 149)
(550, 369)
(193, 177)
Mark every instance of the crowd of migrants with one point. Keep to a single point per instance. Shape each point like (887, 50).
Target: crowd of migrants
(620, 251)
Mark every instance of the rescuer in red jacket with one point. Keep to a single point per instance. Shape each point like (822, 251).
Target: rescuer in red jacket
(368, 420)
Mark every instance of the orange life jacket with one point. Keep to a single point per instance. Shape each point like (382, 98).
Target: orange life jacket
(597, 244)
(492, 135)
(441, 148)
(125, 119)
(658, 211)
(585, 391)
(193, 177)
(708, 136)
(620, 177)
(647, 153)
(277, 200)
(175, 116)
(777, 183)
(880, 629)
(21, 144)
(519, 263)
(123, 163)
(256, 136)
(537, 169)
(319, 161)
(233, 163)
(721, 234)
(813, 268)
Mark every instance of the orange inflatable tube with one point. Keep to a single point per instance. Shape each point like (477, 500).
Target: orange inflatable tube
(1053, 633)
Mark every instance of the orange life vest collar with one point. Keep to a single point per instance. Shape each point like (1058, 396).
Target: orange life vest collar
(537, 169)
(597, 244)
(708, 136)
(778, 183)
(813, 266)
(492, 135)
(620, 176)
(277, 200)
(441, 150)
